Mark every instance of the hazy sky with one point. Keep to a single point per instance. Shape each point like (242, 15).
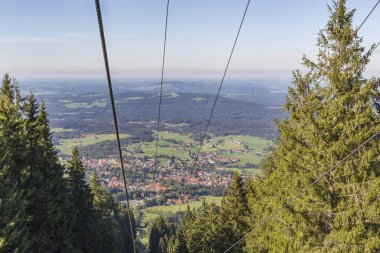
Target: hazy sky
(59, 38)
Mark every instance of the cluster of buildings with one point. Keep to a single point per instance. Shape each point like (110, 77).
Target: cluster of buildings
(183, 199)
(190, 173)
(206, 159)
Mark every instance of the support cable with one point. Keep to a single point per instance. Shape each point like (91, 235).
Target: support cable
(356, 32)
(162, 80)
(369, 14)
(269, 217)
(222, 81)
(218, 93)
(369, 52)
(106, 64)
(224, 75)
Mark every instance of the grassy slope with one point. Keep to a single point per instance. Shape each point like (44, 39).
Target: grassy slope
(66, 145)
(62, 130)
(72, 105)
(182, 207)
(165, 147)
(154, 212)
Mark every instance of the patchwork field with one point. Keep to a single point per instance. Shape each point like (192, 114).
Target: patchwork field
(75, 105)
(156, 210)
(66, 145)
(151, 213)
(249, 149)
(62, 130)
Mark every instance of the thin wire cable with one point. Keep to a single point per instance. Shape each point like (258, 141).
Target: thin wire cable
(370, 51)
(369, 14)
(218, 93)
(269, 217)
(356, 32)
(106, 64)
(224, 75)
(162, 80)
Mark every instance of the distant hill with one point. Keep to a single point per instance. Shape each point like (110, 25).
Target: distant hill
(181, 112)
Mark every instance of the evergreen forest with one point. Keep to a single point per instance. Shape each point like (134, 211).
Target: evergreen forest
(319, 191)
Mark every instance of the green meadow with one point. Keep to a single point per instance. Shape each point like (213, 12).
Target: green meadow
(66, 145)
(168, 147)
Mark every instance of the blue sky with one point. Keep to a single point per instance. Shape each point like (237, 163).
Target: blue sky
(59, 39)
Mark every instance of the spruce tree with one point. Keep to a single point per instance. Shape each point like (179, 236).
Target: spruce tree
(233, 219)
(58, 227)
(325, 123)
(14, 233)
(177, 243)
(11, 130)
(13, 230)
(123, 234)
(82, 212)
(36, 186)
(104, 229)
(203, 235)
(160, 233)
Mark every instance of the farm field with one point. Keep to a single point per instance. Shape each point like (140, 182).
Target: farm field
(75, 105)
(181, 207)
(66, 145)
(62, 130)
(249, 149)
(151, 213)
(166, 146)
(245, 171)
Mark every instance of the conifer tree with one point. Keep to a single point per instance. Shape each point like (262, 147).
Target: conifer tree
(58, 197)
(159, 235)
(103, 227)
(11, 130)
(123, 233)
(40, 210)
(177, 243)
(36, 186)
(203, 235)
(82, 211)
(325, 123)
(14, 232)
(233, 218)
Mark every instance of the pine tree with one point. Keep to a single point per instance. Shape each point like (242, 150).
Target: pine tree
(40, 210)
(325, 123)
(11, 130)
(58, 227)
(177, 243)
(14, 233)
(123, 233)
(103, 228)
(203, 235)
(160, 233)
(82, 211)
(36, 186)
(233, 219)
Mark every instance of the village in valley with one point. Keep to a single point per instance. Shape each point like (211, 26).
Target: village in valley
(182, 174)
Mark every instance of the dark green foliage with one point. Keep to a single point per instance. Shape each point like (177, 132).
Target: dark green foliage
(234, 215)
(81, 211)
(123, 230)
(14, 234)
(339, 213)
(41, 209)
(160, 233)
(209, 229)
(110, 222)
(325, 124)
